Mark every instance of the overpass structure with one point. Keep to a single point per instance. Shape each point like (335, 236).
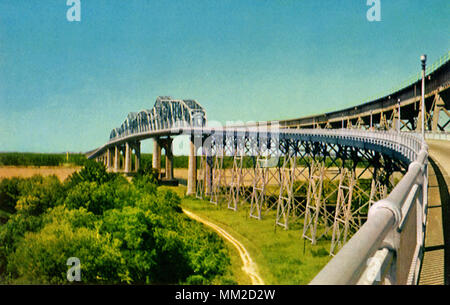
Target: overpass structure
(358, 175)
(160, 123)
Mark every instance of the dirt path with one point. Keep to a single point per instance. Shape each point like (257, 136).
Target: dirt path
(249, 266)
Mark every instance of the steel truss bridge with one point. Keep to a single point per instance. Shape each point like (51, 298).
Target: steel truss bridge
(358, 175)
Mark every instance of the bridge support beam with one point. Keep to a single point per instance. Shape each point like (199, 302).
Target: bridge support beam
(192, 168)
(137, 155)
(169, 158)
(438, 106)
(127, 158)
(156, 160)
(116, 159)
(108, 159)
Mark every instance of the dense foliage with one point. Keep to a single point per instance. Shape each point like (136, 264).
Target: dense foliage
(122, 232)
(40, 159)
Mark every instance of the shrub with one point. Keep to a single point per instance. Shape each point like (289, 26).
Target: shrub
(147, 183)
(94, 197)
(9, 193)
(12, 232)
(120, 231)
(91, 172)
(41, 257)
(38, 193)
(153, 253)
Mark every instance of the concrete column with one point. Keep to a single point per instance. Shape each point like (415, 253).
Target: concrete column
(108, 158)
(192, 169)
(137, 155)
(116, 159)
(127, 157)
(169, 159)
(121, 158)
(156, 161)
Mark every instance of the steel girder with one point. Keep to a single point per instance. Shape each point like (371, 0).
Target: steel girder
(166, 113)
(317, 180)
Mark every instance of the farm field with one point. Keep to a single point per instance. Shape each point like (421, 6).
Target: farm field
(62, 172)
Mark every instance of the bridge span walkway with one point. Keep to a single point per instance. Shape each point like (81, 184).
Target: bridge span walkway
(436, 260)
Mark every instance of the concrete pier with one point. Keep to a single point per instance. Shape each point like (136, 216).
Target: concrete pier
(127, 158)
(108, 158)
(137, 155)
(192, 169)
(156, 159)
(116, 159)
(167, 145)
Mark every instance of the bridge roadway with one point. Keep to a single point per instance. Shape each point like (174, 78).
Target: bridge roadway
(437, 239)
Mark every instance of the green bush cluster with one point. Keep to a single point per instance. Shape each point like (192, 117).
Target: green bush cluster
(122, 232)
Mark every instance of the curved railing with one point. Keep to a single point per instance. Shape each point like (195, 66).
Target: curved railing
(388, 248)
(405, 146)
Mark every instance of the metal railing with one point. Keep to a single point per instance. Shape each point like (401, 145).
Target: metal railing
(437, 135)
(388, 248)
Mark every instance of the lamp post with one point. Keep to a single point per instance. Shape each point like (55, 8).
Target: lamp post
(423, 59)
(399, 117)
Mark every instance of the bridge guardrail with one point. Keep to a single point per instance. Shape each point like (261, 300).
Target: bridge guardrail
(437, 136)
(388, 248)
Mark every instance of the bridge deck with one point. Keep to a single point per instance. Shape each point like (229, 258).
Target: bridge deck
(434, 271)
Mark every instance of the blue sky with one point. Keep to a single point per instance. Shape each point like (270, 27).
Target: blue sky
(65, 85)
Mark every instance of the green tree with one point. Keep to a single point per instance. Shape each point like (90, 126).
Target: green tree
(94, 197)
(38, 193)
(9, 193)
(153, 253)
(41, 257)
(91, 172)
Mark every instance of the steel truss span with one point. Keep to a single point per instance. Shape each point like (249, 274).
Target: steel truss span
(166, 113)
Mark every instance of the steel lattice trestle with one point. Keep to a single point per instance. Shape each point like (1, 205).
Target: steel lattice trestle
(327, 186)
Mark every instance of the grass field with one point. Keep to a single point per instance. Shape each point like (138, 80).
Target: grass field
(282, 256)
